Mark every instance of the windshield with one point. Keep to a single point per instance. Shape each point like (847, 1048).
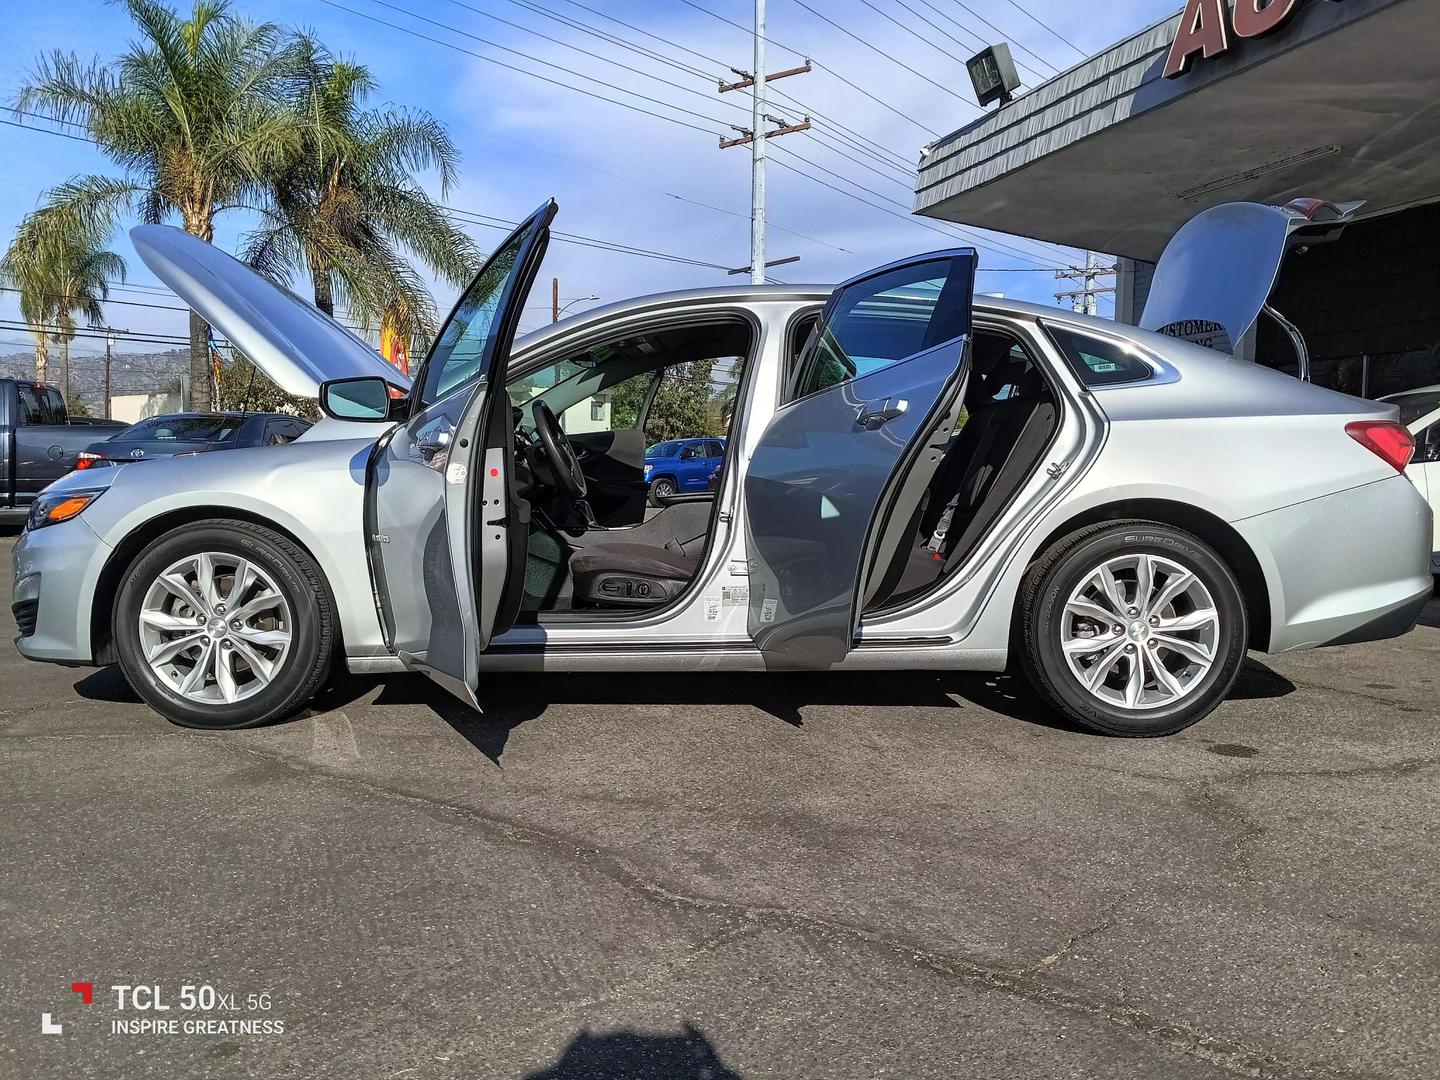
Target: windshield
(183, 429)
(664, 449)
(1416, 404)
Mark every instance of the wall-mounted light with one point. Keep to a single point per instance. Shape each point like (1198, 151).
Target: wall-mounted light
(992, 72)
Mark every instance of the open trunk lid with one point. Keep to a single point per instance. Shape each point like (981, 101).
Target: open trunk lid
(293, 342)
(1218, 271)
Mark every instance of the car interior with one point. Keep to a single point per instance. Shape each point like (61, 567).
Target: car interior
(1007, 419)
(583, 424)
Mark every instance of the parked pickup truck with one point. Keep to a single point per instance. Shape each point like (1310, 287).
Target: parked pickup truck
(38, 441)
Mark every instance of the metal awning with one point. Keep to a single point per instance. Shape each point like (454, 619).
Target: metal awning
(1343, 102)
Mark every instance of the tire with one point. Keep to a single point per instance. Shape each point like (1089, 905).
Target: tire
(661, 488)
(1170, 643)
(276, 660)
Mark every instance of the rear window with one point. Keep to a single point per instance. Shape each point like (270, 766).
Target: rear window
(1415, 405)
(183, 429)
(1098, 362)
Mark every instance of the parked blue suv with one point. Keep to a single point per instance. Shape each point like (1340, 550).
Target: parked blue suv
(681, 466)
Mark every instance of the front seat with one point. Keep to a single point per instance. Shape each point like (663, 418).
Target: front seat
(631, 575)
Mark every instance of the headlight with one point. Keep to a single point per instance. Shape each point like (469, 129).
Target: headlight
(60, 506)
(648, 468)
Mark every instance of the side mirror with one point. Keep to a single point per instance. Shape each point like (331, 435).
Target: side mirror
(368, 399)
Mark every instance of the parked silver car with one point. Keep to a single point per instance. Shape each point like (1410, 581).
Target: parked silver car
(916, 479)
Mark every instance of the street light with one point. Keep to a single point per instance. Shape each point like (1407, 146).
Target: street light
(577, 300)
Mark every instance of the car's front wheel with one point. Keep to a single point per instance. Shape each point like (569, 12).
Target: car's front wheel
(660, 490)
(1132, 627)
(224, 624)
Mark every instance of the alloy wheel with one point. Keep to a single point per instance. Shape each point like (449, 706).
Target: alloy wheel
(1140, 631)
(215, 628)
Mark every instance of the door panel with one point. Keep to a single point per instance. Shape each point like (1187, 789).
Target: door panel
(889, 354)
(614, 467)
(443, 521)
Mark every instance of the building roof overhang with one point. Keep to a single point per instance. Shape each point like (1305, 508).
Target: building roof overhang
(1343, 102)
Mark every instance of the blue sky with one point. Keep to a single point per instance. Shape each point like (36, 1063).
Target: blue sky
(614, 171)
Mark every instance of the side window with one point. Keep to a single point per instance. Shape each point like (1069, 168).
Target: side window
(692, 451)
(881, 320)
(714, 449)
(1427, 445)
(1097, 362)
(31, 411)
(54, 406)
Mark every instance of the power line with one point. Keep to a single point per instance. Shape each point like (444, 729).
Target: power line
(523, 71)
(1003, 37)
(1053, 32)
(536, 60)
(921, 37)
(876, 49)
(46, 131)
(823, 67)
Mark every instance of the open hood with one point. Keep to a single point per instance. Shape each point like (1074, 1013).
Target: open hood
(293, 342)
(1218, 271)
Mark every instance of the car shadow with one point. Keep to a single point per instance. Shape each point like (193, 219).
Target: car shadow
(512, 699)
(638, 1055)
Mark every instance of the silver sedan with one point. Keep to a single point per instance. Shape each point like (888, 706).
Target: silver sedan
(913, 478)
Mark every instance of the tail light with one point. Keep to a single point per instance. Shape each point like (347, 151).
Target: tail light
(86, 460)
(1389, 440)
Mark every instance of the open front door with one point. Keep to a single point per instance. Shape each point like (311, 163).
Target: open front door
(445, 528)
(886, 361)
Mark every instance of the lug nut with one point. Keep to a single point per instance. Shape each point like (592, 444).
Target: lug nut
(219, 609)
(1154, 644)
(1154, 620)
(1129, 648)
(1133, 612)
(235, 624)
(226, 644)
(1119, 629)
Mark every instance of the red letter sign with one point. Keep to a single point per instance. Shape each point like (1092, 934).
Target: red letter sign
(1256, 18)
(1202, 33)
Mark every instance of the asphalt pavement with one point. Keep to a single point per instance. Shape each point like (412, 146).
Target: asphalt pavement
(687, 876)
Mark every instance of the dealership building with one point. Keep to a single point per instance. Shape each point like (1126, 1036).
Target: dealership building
(1232, 101)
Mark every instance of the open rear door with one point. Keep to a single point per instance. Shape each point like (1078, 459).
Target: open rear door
(445, 528)
(887, 359)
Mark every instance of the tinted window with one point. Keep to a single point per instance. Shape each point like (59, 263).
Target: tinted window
(468, 339)
(1414, 406)
(55, 405)
(183, 429)
(714, 449)
(1098, 362)
(31, 411)
(880, 320)
(664, 449)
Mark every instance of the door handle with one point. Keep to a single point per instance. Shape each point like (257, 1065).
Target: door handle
(875, 414)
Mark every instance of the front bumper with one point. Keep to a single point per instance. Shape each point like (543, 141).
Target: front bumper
(1348, 567)
(56, 572)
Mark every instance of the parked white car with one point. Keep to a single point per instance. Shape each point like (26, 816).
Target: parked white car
(1420, 412)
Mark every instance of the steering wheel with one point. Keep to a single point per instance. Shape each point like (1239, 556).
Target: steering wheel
(558, 453)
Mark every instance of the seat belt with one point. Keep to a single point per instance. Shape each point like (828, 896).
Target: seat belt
(935, 545)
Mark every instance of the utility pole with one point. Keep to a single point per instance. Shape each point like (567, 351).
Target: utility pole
(757, 80)
(109, 346)
(554, 299)
(1084, 300)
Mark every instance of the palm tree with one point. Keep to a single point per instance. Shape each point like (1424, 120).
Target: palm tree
(22, 268)
(196, 112)
(60, 272)
(347, 203)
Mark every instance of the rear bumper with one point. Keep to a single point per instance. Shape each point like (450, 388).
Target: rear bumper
(56, 572)
(1348, 567)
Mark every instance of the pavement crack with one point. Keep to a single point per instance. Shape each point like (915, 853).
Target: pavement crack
(1107, 920)
(1030, 986)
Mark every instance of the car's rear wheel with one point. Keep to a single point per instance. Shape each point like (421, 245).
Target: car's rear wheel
(1132, 628)
(660, 490)
(224, 624)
